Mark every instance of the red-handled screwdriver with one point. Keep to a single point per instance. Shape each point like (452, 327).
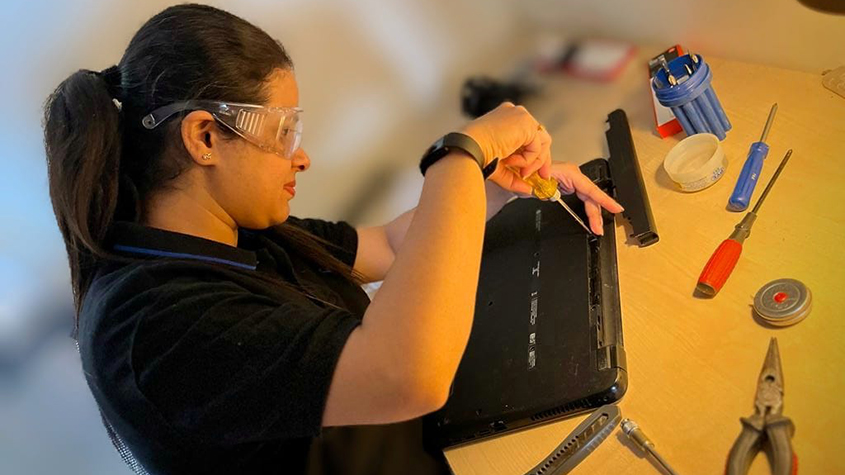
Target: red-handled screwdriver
(722, 262)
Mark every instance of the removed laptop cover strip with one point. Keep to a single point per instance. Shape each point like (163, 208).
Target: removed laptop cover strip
(580, 443)
(628, 179)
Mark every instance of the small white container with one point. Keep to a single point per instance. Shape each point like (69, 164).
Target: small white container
(696, 162)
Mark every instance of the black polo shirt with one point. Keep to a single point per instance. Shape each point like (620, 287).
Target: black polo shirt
(203, 361)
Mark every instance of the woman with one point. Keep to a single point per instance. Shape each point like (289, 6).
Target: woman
(219, 334)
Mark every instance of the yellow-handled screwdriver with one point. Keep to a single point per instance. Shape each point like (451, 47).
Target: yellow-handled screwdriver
(548, 190)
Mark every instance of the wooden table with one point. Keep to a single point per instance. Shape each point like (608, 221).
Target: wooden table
(693, 363)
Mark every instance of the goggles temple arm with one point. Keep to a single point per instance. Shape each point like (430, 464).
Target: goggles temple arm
(156, 117)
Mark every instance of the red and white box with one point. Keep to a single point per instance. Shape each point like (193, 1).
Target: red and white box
(664, 119)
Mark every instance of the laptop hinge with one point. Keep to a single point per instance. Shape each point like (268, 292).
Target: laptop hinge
(612, 356)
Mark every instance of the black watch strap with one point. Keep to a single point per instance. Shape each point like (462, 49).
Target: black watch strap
(443, 146)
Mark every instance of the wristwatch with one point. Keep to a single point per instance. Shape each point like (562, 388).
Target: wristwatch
(456, 140)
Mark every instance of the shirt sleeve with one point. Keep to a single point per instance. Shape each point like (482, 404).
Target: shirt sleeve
(229, 366)
(339, 233)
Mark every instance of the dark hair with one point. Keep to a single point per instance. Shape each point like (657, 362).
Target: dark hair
(102, 163)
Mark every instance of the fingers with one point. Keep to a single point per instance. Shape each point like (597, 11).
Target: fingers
(593, 215)
(524, 165)
(514, 183)
(544, 156)
(534, 157)
(517, 160)
(600, 197)
(506, 130)
(531, 153)
(509, 180)
(571, 180)
(546, 169)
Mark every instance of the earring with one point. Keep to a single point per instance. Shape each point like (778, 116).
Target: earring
(206, 156)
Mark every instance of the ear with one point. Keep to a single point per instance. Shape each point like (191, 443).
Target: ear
(200, 135)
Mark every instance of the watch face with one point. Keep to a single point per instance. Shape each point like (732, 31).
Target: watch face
(438, 145)
(439, 153)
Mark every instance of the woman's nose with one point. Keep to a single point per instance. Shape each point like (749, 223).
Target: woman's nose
(301, 160)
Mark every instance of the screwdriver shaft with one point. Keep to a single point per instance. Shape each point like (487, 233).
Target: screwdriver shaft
(662, 462)
(669, 77)
(692, 56)
(636, 435)
(572, 213)
(772, 181)
(672, 80)
(769, 122)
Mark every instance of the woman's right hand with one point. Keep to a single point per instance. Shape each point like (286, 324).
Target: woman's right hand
(512, 134)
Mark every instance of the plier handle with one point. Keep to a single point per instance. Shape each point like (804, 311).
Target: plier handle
(767, 429)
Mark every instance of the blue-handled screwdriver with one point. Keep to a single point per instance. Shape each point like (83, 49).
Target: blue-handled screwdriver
(751, 169)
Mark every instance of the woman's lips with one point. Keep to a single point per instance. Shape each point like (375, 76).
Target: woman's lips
(291, 188)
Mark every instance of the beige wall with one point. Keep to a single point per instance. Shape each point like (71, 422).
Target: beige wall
(775, 32)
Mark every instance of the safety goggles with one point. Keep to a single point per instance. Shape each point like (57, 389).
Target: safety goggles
(274, 129)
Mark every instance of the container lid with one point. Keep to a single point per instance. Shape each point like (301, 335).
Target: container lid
(783, 302)
(696, 162)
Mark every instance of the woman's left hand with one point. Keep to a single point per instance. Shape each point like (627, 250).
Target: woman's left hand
(571, 180)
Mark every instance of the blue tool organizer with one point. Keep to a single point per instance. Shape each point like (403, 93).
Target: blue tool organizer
(692, 99)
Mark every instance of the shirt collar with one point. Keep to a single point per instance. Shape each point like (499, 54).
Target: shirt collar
(140, 240)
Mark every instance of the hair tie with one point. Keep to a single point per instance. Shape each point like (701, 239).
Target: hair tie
(111, 75)
(113, 78)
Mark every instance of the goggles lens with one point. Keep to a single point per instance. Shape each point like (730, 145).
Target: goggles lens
(274, 129)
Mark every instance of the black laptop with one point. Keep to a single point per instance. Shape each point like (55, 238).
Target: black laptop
(546, 341)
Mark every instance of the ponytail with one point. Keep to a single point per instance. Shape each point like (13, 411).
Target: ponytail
(82, 138)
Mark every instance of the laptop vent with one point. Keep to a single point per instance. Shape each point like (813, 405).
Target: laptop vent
(562, 410)
(595, 274)
(596, 291)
